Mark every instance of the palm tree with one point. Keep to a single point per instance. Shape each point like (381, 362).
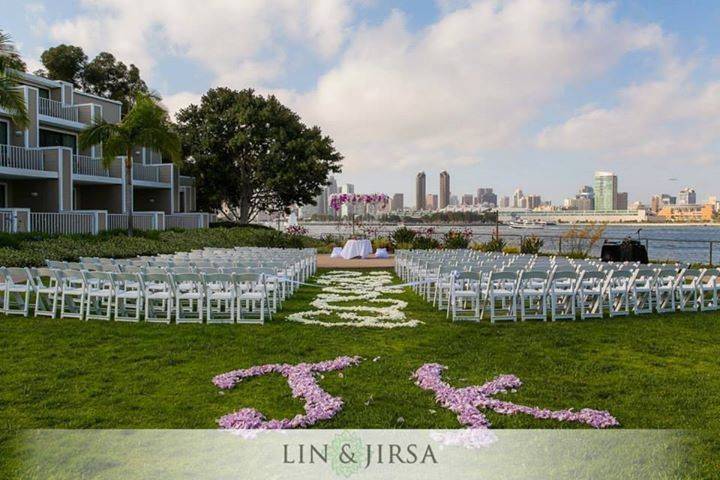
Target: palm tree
(146, 124)
(11, 98)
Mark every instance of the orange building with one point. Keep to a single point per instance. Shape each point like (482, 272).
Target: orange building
(687, 213)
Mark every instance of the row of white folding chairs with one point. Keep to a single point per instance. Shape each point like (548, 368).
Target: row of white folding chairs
(156, 297)
(565, 294)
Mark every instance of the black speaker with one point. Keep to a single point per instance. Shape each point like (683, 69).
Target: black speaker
(626, 251)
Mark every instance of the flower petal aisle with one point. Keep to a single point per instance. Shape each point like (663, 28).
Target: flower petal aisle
(343, 286)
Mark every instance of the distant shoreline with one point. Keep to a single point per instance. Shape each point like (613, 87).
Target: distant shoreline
(610, 224)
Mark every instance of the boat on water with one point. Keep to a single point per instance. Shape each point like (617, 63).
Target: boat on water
(527, 225)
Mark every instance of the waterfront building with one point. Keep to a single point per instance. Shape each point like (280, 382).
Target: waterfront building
(420, 195)
(621, 202)
(467, 199)
(397, 203)
(504, 202)
(687, 196)
(444, 189)
(453, 201)
(47, 183)
(605, 191)
(687, 213)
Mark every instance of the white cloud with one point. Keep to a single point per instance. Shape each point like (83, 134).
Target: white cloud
(467, 84)
(223, 35)
(670, 118)
(173, 103)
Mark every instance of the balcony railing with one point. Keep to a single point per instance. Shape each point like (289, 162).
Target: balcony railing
(52, 108)
(86, 165)
(18, 157)
(148, 173)
(141, 221)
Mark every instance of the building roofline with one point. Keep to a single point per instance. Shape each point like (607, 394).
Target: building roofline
(58, 84)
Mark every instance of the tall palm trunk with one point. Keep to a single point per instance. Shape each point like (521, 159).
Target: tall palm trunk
(129, 191)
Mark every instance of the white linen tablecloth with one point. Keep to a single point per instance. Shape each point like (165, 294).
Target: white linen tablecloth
(356, 248)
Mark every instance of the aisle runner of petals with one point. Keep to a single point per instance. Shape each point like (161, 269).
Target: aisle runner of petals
(465, 401)
(319, 405)
(341, 286)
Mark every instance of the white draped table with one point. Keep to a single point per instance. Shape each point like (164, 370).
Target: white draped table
(356, 248)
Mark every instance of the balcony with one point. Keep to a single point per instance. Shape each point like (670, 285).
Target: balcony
(52, 108)
(24, 158)
(86, 165)
(161, 173)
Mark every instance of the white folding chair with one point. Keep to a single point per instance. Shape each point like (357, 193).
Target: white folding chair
(465, 296)
(18, 286)
(72, 303)
(221, 297)
(532, 295)
(47, 285)
(708, 290)
(664, 290)
(128, 291)
(502, 296)
(563, 295)
(686, 290)
(189, 294)
(641, 290)
(617, 290)
(158, 296)
(251, 297)
(591, 294)
(98, 295)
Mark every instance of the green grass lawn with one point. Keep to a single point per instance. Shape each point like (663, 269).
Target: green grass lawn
(657, 372)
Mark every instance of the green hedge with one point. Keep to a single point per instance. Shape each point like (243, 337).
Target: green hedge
(20, 250)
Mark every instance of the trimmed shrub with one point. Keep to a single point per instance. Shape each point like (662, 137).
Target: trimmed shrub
(32, 250)
(425, 243)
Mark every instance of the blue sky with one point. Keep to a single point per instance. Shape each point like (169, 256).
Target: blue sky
(535, 94)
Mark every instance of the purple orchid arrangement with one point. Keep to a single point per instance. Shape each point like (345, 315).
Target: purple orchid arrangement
(296, 230)
(465, 401)
(337, 200)
(319, 405)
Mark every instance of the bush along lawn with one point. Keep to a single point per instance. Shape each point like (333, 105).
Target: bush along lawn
(32, 249)
(649, 372)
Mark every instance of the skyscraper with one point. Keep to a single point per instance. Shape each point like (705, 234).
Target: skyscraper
(467, 199)
(420, 191)
(397, 202)
(621, 201)
(605, 191)
(656, 203)
(533, 201)
(518, 196)
(505, 202)
(444, 189)
(687, 196)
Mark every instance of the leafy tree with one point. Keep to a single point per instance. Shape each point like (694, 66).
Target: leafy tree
(64, 62)
(107, 77)
(147, 124)
(250, 153)
(11, 99)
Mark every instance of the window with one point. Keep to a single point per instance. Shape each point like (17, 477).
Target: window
(51, 138)
(43, 93)
(4, 133)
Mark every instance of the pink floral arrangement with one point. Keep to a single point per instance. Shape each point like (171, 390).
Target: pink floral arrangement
(319, 405)
(337, 200)
(296, 230)
(465, 401)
